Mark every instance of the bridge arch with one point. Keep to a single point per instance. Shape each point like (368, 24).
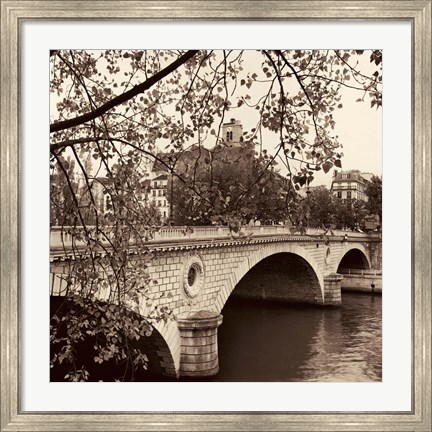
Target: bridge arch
(353, 257)
(260, 255)
(168, 348)
(163, 345)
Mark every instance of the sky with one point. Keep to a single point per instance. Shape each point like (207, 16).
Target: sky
(360, 131)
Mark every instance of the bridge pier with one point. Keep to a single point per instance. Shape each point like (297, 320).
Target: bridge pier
(332, 290)
(199, 348)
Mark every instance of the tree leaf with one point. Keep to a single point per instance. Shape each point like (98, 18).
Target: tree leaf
(326, 166)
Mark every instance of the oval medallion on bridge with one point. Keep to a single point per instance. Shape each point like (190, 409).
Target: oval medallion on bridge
(193, 276)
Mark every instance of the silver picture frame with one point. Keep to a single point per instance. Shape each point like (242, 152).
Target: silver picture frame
(416, 12)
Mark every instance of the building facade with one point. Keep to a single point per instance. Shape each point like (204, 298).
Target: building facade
(349, 185)
(158, 194)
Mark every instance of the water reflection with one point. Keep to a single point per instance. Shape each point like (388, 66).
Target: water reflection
(263, 341)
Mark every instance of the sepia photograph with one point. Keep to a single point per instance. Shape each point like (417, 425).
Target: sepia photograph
(215, 215)
(210, 218)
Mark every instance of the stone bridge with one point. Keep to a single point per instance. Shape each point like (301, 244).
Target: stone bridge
(199, 270)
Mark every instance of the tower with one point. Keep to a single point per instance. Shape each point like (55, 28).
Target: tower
(232, 133)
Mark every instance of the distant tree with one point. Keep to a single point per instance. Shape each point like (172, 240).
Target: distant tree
(270, 199)
(237, 185)
(349, 213)
(322, 208)
(359, 210)
(374, 194)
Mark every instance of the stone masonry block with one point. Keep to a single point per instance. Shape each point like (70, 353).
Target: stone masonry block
(205, 366)
(200, 358)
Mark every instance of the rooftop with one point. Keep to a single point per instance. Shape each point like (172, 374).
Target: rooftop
(344, 176)
(161, 177)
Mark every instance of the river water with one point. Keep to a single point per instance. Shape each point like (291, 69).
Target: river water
(265, 341)
(278, 341)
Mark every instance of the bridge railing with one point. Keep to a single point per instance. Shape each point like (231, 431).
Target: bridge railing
(62, 236)
(173, 233)
(360, 272)
(204, 232)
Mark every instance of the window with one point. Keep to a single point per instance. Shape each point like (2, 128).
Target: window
(349, 194)
(155, 184)
(160, 192)
(164, 192)
(164, 214)
(339, 194)
(154, 193)
(159, 204)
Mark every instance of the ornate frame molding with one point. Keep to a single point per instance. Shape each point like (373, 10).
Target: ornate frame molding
(416, 11)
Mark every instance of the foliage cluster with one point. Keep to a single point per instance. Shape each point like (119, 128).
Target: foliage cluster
(236, 186)
(374, 193)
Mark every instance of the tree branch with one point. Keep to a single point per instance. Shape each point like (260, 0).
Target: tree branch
(287, 63)
(140, 88)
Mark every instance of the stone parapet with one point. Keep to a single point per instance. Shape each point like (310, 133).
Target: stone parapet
(364, 282)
